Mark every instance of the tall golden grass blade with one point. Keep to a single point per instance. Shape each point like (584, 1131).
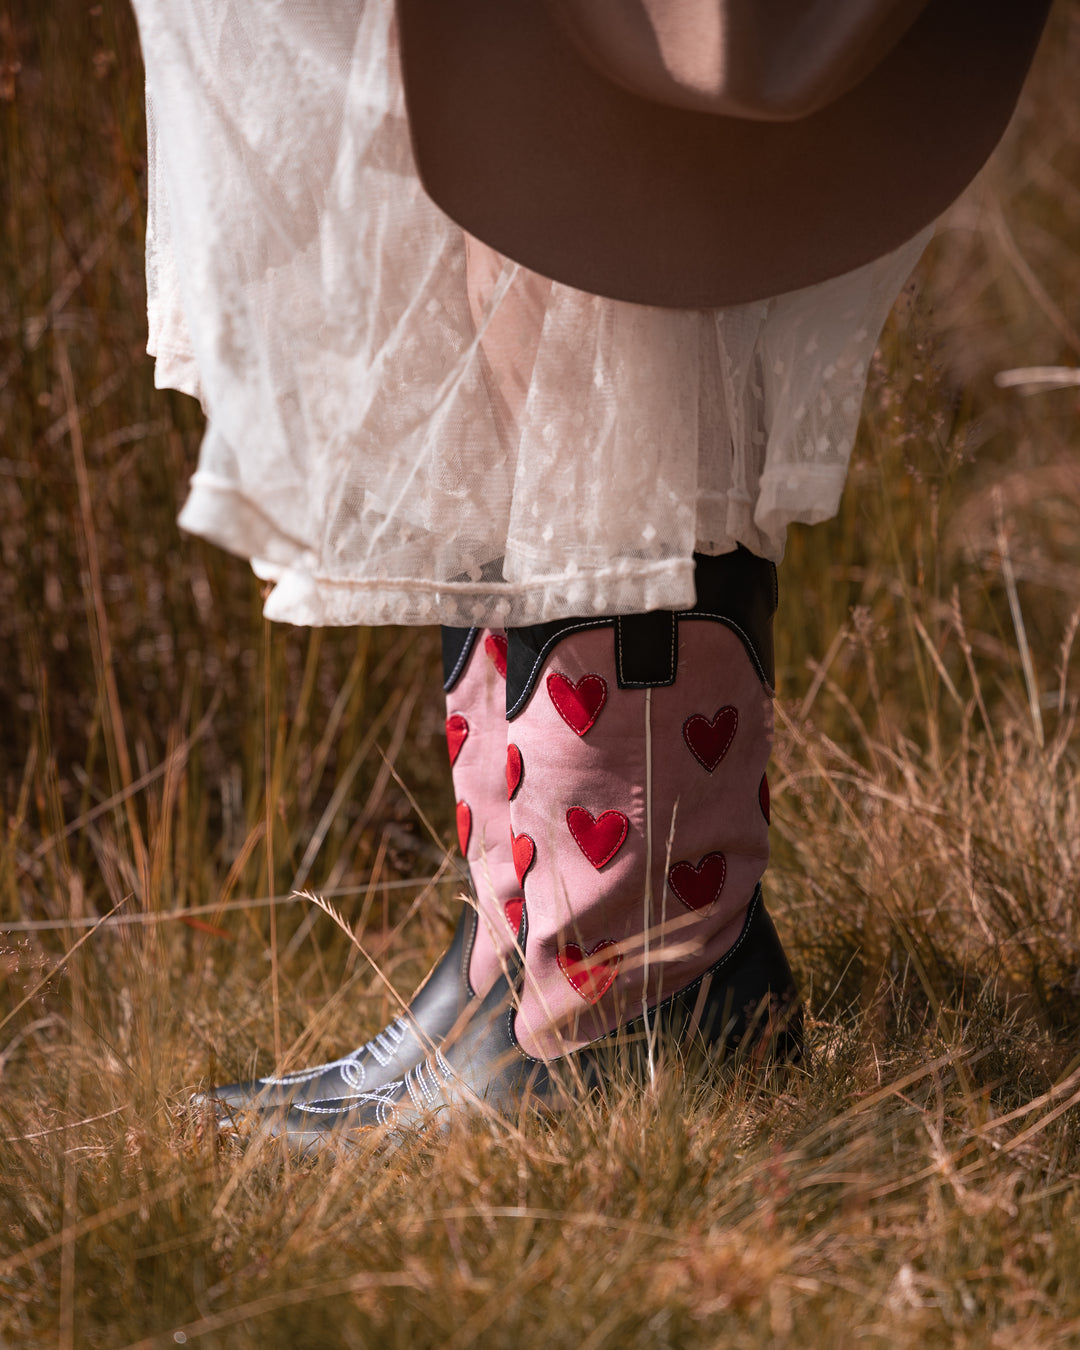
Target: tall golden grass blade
(58, 967)
(1034, 702)
(99, 618)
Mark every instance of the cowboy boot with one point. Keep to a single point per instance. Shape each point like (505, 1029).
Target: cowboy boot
(640, 808)
(474, 668)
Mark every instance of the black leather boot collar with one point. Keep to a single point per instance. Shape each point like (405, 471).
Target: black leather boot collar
(457, 645)
(736, 589)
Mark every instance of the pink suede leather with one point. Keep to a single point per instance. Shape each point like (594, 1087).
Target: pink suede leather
(644, 858)
(476, 739)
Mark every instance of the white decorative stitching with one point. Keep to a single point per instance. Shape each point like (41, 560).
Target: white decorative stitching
(751, 910)
(353, 1073)
(542, 657)
(414, 1090)
(386, 1043)
(680, 616)
(467, 951)
(612, 966)
(335, 1106)
(463, 657)
(427, 1082)
(382, 1049)
(595, 820)
(710, 722)
(575, 685)
(741, 634)
(306, 1075)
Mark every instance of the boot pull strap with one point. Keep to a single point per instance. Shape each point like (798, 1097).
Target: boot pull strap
(646, 649)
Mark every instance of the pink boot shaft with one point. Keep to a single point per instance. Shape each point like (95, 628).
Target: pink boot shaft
(476, 739)
(640, 828)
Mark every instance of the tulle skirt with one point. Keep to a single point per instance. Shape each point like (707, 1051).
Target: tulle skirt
(405, 427)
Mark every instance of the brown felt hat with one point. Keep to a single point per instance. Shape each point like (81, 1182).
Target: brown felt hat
(525, 138)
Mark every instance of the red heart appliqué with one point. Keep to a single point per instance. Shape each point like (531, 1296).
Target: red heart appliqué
(592, 973)
(515, 767)
(457, 733)
(524, 851)
(697, 887)
(763, 799)
(513, 913)
(495, 646)
(577, 704)
(600, 838)
(464, 825)
(709, 741)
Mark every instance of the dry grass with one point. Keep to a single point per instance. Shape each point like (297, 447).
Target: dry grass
(169, 761)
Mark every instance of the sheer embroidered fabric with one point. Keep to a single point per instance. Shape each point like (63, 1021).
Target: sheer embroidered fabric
(404, 427)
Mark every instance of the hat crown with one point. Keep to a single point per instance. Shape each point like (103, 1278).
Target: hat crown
(767, 60)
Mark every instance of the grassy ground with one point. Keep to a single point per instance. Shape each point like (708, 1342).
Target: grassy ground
(168, 758)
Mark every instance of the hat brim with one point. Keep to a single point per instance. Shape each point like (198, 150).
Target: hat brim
(530, 149)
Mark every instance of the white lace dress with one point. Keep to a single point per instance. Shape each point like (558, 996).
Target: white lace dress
(404, 427)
